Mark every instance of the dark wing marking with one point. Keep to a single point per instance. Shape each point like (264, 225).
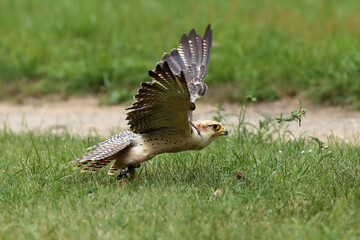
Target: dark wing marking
(161, 104)
(103, 153)
(192, 58)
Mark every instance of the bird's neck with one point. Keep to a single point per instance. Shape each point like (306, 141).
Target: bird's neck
(199, 138)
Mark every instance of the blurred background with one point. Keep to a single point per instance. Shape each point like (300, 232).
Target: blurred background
(267, 49)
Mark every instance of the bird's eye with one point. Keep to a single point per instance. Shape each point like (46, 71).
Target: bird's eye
(215, 127)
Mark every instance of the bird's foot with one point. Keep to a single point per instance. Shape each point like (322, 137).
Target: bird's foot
(122, 177)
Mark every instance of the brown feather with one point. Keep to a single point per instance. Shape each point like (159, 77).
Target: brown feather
(163, 103)
(191, 57)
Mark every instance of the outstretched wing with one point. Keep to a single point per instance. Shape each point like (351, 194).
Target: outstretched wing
(161, 104)
(192, 58)
(104, 152)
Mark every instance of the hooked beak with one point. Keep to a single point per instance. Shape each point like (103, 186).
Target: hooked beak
(223, 131)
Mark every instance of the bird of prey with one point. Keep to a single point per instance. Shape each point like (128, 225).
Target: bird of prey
(160, 119)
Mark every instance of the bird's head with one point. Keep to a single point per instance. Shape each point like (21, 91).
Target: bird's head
(209, 130)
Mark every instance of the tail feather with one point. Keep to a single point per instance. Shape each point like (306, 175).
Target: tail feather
(96, 165)
(114, 168)
(105, 152)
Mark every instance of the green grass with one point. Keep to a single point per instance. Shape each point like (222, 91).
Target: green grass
(296, 190)
(269, 49)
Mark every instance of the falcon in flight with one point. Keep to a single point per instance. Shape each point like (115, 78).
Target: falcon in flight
(160, 119)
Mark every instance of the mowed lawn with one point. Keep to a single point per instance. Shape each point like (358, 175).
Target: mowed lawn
(295, 189)
(269, 49)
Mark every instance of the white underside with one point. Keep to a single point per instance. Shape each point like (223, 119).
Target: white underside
(145, 149)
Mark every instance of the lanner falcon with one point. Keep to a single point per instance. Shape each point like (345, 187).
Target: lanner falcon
(160, 119)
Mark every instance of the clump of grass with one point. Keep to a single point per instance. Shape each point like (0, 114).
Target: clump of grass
(265, 126)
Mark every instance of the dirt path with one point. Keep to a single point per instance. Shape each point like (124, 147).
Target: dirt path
(84, 116)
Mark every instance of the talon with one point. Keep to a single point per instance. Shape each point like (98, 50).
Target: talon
(122, 177)
(122, 174)
(122, 181)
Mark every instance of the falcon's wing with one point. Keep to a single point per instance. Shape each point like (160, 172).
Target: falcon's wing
(161, 104)
(103, 152)
(192, 58)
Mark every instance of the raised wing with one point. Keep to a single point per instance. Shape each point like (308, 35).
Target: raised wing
(191, 58)
(163, 103)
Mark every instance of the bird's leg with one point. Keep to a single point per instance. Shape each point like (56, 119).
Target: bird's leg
(122, 177)
(123, 174)
(131, 170)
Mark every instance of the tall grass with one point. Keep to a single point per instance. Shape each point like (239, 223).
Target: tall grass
(295, 189)
(265, 48)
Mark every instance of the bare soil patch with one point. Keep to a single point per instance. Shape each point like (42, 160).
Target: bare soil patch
(83, 116)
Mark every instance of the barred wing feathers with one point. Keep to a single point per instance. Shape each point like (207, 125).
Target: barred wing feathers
(163, 103)
(192, 58)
